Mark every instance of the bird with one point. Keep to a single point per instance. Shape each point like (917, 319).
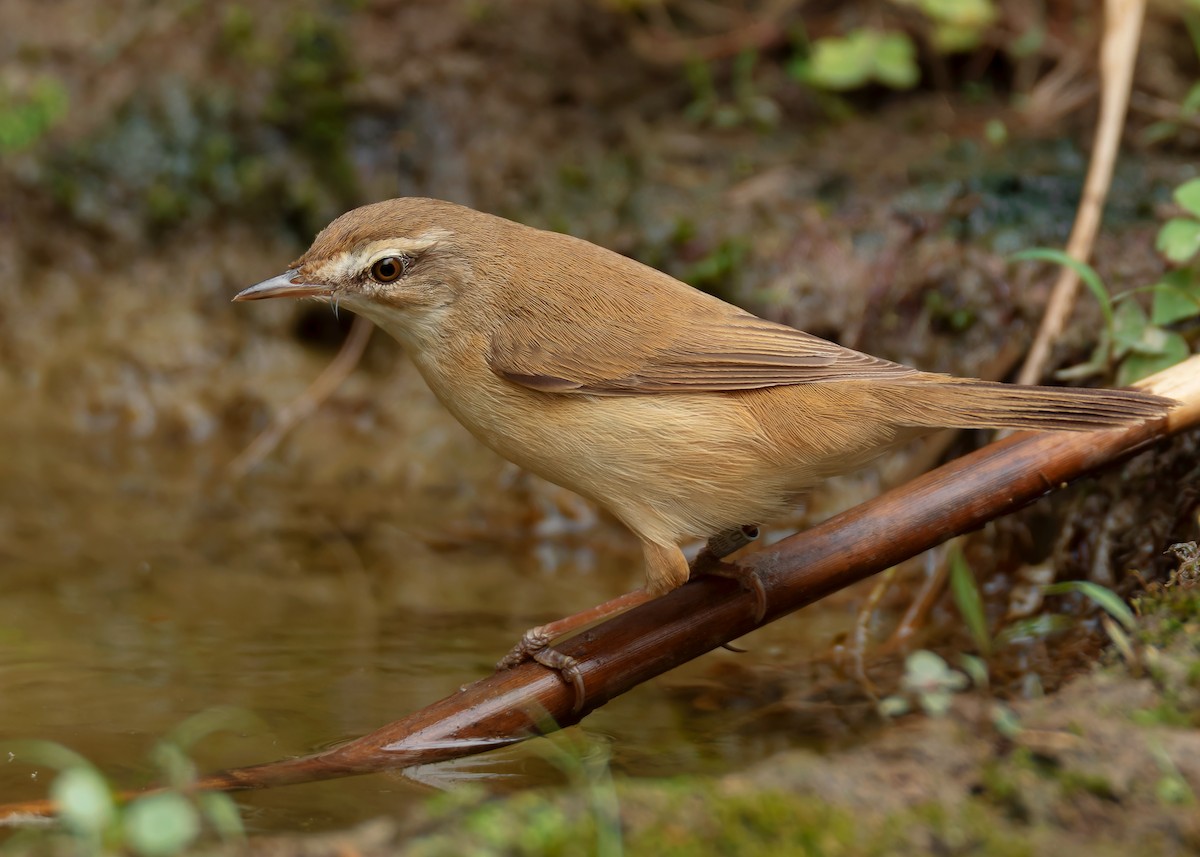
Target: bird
(684, 416)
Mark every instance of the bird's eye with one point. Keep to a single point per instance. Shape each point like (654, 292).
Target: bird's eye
(389, 269)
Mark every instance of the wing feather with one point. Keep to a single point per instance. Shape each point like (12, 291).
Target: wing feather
(722, 351)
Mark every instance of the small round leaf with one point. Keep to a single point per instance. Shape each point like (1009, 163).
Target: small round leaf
(84, 800)
(162, 824)
(1179, 239)
(1188, 196)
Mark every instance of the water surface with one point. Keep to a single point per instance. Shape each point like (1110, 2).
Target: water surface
(143, 586)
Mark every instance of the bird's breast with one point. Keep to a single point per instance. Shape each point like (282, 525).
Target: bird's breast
(670, 466)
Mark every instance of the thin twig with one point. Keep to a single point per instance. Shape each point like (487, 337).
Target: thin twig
(1162, 109)
(937, 568)
(663, 44)
(1118, 51)
(318, 391)
(861, 640)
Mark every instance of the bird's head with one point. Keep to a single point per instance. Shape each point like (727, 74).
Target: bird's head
(396, 262)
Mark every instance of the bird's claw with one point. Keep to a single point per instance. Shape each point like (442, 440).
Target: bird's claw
(568, 670)
(535, 646)
(532, 641)
(747, 577)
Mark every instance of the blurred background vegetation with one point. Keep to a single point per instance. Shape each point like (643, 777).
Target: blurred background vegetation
(673, 130)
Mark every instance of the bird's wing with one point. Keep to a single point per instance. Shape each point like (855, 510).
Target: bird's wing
(716, 351)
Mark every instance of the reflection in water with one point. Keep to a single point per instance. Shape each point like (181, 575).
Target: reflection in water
(141, 587)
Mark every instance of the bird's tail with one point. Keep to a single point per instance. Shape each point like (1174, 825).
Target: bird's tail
(968, 403)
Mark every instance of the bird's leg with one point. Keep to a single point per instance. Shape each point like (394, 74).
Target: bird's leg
(535, 643)
(666, 569)
(723, 544)
(710, 561)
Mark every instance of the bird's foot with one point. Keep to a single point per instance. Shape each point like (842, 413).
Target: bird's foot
(535, 643)
(747, 577)
(535, 646)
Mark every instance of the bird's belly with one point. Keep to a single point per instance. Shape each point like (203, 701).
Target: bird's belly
(669, 466)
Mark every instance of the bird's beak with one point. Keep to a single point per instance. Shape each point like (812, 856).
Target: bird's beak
(286, 285)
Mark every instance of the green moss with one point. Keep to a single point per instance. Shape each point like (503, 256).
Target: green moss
(1164, 714)
(1173, 790)
(710, 821)
(574, 176)
(238, 35)
(533, 823)
(973, 828)
(701, 817)
(1168, 613)
(1000, 788)
(180, 150)
(27, 114)
(1193, 674)
(1075, 782)
(309, 97)
(155, 159)
(716, 271)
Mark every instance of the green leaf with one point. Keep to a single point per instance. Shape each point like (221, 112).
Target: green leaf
(1174, 350)
(1188, 196)
(1097, 364)
(222, 813)
(955, 39)
(975, 668)
(895, 62)
(1101, 596)
(1156, 132)
(1153, 342)
(1129, 327)
(958, 25)
(936, 703)
(858, 58)
(40, 752)
(968, 600)
(1176, 296)
(1034, 628)
(178, 769)
(1191, 102)
(27, 116)
(929, 678)
(85, 802)
(1179, 239)
(842, 64)
(995, 132)
(160, 825)
(1005, 721)
(965, 13)
(1174, 790)
(1028, 43)
(924, 669)
(219, 718)
(1083, 270)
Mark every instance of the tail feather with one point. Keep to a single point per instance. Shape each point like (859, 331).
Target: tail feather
(968, 403)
